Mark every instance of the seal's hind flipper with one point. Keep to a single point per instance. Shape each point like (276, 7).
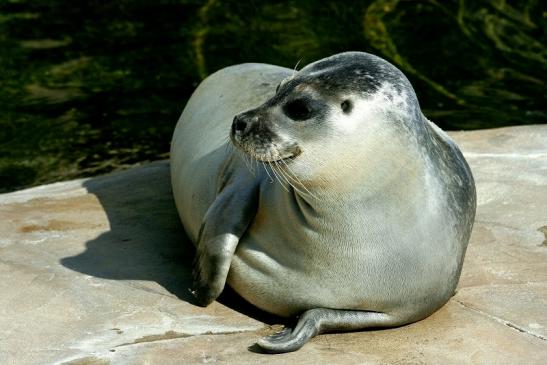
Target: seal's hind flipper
(321, 320)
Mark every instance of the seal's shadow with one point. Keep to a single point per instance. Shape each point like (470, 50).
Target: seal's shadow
(146, 240)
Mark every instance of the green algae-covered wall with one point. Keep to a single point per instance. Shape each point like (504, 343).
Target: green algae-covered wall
(87, 87)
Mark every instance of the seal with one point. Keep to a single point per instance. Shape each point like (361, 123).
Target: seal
(323, 194)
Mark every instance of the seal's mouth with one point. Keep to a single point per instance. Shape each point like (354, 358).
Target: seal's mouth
(268, 152)
(290, 157)
(273, 154)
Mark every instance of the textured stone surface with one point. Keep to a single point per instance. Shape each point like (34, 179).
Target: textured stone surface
(96, 271)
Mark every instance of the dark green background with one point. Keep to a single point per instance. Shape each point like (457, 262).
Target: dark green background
(87, 87)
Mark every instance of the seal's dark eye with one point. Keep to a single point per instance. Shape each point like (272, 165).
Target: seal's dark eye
(277, 88)
(298, 109)
(346, 106)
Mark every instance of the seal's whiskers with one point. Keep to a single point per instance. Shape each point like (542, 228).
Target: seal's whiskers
(246, 162)
(267, 172)
(292, 181)
(281, 174)
(295, 68)
(278, 178)
(296, 180)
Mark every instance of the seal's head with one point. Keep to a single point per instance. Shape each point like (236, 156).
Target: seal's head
(335, 115)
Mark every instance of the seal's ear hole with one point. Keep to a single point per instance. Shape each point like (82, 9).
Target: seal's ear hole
(297, 109)
(346, 106)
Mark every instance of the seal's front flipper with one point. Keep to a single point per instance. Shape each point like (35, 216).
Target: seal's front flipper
(211, 266)
(225, 222)
(321, 320)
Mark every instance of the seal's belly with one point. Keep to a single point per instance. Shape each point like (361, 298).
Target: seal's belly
(287, 291)
(286, 263)
(284, 281)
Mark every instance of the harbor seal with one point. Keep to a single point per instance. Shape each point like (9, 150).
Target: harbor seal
(323, 194)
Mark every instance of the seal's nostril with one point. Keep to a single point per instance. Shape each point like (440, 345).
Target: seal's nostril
(238, 125)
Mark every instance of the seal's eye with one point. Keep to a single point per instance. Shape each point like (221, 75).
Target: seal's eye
(277, 88)
(346, 106)
(298, 109)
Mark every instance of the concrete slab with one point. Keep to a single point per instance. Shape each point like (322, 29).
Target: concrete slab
(96, 271)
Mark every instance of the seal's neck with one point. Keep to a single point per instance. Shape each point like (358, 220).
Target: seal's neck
(392, 190)
(390, 176)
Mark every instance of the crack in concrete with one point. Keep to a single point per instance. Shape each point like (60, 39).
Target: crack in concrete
(519, 155)
(498, 224)
(501, 321)
(171, 335)
(544, 231)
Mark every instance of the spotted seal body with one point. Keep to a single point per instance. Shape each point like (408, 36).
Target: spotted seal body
(370, 216)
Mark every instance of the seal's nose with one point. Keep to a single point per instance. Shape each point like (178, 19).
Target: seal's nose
(239, 126)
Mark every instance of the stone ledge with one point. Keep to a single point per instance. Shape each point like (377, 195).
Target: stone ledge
(96, 271)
